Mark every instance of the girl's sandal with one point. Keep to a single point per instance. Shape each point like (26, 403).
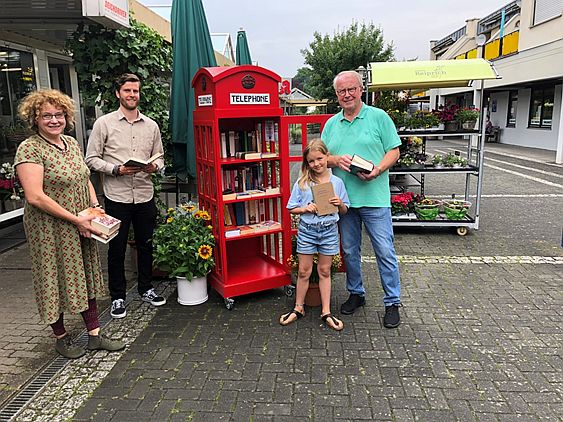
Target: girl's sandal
(285, 318)
(332, 322)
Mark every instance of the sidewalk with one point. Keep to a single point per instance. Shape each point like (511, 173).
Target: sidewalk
(480, 338)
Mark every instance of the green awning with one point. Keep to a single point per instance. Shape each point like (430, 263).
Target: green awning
(429, 74)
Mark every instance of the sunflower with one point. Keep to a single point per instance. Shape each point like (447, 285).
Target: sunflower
(205, 251)
(204, 215)
(169, 220)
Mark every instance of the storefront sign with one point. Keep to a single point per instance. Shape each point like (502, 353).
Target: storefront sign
(205, 100)
(237, 98)
(107, 12)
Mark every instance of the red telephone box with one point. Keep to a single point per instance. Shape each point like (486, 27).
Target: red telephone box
(243, 176)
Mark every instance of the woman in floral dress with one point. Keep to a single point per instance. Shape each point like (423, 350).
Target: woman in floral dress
(65, 263)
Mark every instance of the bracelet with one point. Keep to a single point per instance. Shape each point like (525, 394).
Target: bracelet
(96, 206)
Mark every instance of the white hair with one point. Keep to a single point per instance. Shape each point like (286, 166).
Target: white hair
(351, 73)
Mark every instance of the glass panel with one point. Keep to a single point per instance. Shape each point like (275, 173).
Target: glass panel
(547, 114)
(512, 107)
(535, 108)
(294, 172)
(295, 140)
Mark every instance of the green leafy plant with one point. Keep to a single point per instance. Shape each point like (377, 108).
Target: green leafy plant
(454, 160)
(467, 115)
(403, 203)
(101, 54)
(437, 160)
(183, 244)
(422, 120)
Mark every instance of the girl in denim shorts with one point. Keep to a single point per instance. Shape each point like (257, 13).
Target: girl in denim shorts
(316, 234)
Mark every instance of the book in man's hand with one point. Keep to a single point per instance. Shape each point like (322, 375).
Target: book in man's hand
(321, 195)
(360, 165)
(139, 162)
(107, 225)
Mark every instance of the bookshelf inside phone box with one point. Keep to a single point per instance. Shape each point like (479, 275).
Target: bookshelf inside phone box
(242, 177)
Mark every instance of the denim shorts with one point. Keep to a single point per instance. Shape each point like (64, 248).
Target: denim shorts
(319, 238)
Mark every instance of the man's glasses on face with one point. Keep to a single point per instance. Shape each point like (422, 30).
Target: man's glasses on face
(58, 116)
(351, 91)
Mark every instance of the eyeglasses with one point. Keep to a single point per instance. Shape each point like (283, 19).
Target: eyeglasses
(351, 91)
(58, 116)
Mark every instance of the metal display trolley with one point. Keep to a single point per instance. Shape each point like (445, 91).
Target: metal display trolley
(422, 75)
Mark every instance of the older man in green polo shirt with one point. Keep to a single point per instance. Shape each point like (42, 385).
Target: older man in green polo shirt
(370, 133)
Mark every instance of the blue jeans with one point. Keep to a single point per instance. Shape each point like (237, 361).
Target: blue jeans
(379, 226)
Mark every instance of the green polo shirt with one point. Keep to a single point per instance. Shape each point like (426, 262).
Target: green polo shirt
(371, 135)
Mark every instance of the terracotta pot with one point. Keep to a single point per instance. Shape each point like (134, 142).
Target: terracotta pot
(313, 296)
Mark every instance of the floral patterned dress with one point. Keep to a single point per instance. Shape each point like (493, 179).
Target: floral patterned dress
(65, 266)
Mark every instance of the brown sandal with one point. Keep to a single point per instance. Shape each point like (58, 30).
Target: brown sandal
(284, 319)
(332, 322)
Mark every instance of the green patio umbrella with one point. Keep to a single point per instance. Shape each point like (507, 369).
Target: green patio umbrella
(243, 52)
(192, 49)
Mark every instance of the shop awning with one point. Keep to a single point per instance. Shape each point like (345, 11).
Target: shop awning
(429, 74)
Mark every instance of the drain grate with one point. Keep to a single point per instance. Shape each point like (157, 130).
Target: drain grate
(28, 392)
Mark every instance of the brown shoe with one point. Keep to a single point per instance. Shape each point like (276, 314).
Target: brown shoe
(66, 347)
(101, 342)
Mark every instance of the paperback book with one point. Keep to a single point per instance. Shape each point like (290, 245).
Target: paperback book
(139, 162)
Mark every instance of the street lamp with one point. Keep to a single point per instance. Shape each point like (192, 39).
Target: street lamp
(365, 74)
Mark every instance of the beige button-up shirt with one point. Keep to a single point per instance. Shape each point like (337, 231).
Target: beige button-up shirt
(113, 141)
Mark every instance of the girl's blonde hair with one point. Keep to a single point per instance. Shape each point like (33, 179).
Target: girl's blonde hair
(308, 176)
(30, 107)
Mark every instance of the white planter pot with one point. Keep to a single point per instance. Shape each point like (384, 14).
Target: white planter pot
(192, 292)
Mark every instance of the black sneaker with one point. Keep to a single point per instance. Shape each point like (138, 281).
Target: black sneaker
(118, 309)
(154, 299)
(353, 303)
(392, 318)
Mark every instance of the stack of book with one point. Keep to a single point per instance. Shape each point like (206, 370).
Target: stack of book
(107, 225)
(234, 231)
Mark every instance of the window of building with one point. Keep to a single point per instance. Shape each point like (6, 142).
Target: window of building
(512, 107)
(545, 10)
(541, 107)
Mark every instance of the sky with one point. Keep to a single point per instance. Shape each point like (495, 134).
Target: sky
(277, 31)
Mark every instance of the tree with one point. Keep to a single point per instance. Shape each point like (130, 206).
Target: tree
(347, 50)
(101, 54)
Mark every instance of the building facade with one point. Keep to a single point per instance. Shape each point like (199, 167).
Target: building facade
(33, 35)
(524, 40)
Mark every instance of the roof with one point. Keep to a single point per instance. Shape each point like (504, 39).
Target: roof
(429, 74)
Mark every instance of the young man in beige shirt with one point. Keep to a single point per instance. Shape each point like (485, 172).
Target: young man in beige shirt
(128, 191)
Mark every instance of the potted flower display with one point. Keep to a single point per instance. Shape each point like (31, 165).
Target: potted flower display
(427, 209)
(313, 296)
(467, 117)
(447, 114)
(454, 160)
(437, 161)
(422, 120)
(11, 192)
(456, 209)
(183, 245)
(403, 203)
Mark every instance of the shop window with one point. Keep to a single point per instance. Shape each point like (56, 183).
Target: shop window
(512, 107)
(541, 107)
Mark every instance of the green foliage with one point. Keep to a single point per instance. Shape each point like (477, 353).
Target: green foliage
(183, 244)
(102, 54)
(464, 115)
(347, 50)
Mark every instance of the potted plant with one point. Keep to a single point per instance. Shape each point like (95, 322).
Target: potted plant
(403, 203)
(467, 117)
(447, 114)
(11, 192)
(183, 245)
(456, 209)
(422, 120)
(427, 209)
(313, 296)
(437, 160)
(454, 160)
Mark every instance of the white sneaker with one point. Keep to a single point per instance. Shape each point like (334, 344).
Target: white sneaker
(118, 309)
(154, 299)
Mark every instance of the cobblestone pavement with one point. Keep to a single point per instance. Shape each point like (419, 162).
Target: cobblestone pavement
(480, 337)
